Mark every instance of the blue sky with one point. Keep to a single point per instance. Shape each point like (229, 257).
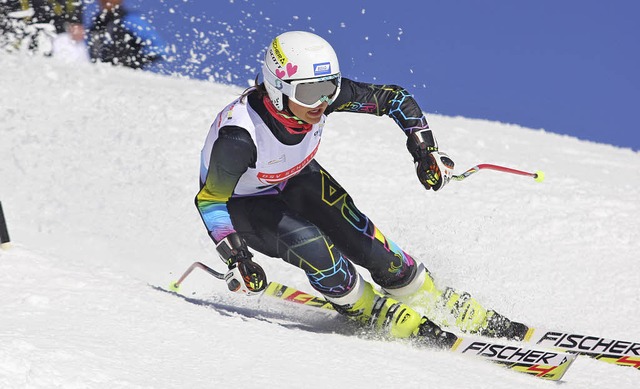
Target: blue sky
(570, 67)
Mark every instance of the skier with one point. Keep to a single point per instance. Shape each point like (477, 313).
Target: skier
(261, 188)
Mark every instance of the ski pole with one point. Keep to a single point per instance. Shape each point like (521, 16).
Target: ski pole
(538, 176)
(273, 289)
(175, 286)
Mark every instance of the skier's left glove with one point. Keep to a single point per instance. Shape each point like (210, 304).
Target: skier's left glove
(434, 168)
(244, 275)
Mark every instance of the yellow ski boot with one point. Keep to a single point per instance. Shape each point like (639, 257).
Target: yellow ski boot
(384, 314)
(454, 308)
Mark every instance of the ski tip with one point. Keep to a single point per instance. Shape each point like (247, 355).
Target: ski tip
(5, 246)
(174, 287)
(558, 372)
(539, 176)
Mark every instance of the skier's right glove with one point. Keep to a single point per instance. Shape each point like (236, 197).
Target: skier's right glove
(434, 168)
(244, 275)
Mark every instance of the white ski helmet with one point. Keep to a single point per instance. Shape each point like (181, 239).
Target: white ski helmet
(302, 66)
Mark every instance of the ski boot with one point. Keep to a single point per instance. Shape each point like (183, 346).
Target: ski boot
(455, 308)
(497, 326)
(431, 335)
(384, 314)
(473, 318)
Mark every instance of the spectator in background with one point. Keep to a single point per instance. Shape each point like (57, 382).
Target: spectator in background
(64, 15)
(43, 26)
(122, 37)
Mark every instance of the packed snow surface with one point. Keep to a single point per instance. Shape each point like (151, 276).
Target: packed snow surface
(98, 170)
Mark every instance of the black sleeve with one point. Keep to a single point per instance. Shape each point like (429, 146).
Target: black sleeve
(390, 100)
(231, 155)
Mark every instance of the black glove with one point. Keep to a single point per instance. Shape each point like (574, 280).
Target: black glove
(434, 168)
(244, 275)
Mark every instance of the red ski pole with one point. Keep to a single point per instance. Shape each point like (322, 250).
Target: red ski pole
(175, 286)
(538, 176)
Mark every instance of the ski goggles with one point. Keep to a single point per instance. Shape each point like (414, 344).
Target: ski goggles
(309, 93)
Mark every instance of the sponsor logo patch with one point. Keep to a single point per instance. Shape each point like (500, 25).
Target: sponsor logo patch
(275, 178)
(320, 69)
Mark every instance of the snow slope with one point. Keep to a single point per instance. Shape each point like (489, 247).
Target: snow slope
(98, 170)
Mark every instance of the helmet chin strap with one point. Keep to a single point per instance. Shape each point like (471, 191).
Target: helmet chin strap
(292, 123)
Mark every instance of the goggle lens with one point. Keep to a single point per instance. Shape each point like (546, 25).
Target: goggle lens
(311, 92)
